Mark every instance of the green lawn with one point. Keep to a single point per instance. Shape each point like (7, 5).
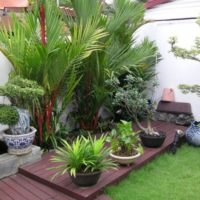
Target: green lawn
(169, 177)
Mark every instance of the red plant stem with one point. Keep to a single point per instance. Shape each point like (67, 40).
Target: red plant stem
(48, 112)
(42, 24)
(40, 120)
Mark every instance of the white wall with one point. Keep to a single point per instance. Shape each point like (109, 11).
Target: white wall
(5, 68)
(173, 71)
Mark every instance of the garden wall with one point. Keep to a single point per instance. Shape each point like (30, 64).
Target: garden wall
(5, 68)
(173, 71)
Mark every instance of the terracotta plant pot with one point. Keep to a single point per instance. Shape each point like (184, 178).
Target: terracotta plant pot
(153, 140)
(86, 179)
(124, 160)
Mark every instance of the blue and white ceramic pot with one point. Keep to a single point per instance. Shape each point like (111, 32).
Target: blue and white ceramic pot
(23, 125)
(193, 134)
(20, 144)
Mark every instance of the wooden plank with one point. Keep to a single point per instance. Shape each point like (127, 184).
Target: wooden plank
(30, 187)
(11, 192)
(21, 189)
(4, 196)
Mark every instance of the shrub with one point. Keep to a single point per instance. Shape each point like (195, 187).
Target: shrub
(8, 115)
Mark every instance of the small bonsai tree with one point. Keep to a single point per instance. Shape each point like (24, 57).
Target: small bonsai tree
(8, 115)
(132, 96)
(192, 54)
(22, 92)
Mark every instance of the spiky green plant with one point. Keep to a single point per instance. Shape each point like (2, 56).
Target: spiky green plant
(84, 155)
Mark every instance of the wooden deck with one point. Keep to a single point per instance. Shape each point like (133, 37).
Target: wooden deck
(39, 170)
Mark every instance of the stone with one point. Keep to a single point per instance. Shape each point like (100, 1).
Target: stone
(180, 119)
(9, 164)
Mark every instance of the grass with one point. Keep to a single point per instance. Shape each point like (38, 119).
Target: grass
(169, 177)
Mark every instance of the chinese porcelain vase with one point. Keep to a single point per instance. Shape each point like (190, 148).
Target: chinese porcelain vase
(193, 134)
(20, 144)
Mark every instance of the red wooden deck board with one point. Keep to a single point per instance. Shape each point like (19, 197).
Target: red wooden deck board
(64, 184)
(4, 196)
(19, 187)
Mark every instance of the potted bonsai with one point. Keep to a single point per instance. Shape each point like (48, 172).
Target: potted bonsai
(84, 160)
(125, 143)
(8, 116)
(132, 96)
(21, 93)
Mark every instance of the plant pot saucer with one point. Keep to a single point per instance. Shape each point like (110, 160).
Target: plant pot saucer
(154, 141)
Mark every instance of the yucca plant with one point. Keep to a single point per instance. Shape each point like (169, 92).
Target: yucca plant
(83, 156)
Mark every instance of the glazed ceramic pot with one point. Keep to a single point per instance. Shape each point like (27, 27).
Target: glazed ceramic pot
(23, 125)
(193, 134)
(20, 144)
(124, 160)
(86, 179)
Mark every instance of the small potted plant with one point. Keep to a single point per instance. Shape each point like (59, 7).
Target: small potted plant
(125, 143)
(133, 98)
(84, 160)
(22, 93)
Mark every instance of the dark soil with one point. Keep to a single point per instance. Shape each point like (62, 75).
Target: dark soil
(3, 148)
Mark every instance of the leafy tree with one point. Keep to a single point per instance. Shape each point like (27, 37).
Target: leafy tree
(192, 54)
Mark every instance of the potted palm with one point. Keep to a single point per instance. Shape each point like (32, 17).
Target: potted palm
(125, 143)
(22, 93)
(132, 96)
(84, 160)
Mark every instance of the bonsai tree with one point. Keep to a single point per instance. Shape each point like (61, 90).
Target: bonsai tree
(132, 96)
(84, 156)
(22, 92)
(192, 54)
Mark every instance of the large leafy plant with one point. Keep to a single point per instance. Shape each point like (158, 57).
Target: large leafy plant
(124, 141)
(119, 54)
(41, 47)
(84, 155)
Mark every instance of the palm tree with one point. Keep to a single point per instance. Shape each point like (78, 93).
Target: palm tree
(119, 55)
(42, 48)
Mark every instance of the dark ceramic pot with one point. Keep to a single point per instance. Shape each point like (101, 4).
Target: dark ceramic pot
(86, 179)
(152, 140)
